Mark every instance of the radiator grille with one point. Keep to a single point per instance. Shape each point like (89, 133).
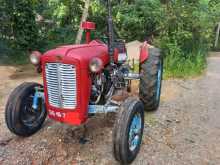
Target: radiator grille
(61, 85)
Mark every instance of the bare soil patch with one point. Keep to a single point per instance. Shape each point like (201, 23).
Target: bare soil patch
(185, 130)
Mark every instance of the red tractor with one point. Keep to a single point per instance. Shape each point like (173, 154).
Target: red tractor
(80, 81)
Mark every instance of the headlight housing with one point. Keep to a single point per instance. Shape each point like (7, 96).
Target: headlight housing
(95, 65)
(35, 57)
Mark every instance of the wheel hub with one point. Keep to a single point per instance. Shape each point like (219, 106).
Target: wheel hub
(29, 116)
(135, 132)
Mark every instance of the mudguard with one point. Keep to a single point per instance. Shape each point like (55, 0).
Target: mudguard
(144, 52)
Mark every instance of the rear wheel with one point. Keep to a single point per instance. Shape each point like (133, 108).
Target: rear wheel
(151, 73)
(128, 131)
(20, 117)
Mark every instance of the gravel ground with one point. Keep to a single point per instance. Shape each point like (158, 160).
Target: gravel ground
(184, 131)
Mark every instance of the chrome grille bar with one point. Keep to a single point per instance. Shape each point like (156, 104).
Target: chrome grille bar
(61, 85)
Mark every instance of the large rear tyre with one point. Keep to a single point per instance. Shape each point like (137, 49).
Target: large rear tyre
(128, 131)
(151, 73)
(20, 117)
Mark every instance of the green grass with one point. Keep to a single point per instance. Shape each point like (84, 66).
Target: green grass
(180, 67)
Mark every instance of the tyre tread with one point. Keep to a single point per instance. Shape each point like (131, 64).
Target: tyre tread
(148, 80)
(13, 105)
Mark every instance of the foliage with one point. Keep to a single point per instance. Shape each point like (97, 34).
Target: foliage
(18, 32)
(185, 38)
(23, 25)
(184, 30)
(177, 64)
(60, 22)
(139, 19)
(214, 6)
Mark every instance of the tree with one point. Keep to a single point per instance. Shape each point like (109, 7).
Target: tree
(83, 18)
(23, 26)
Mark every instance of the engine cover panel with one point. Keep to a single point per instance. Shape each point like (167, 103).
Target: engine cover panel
(79, 56)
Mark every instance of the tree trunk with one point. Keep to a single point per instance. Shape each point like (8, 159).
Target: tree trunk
(217, 35)
(83, 18)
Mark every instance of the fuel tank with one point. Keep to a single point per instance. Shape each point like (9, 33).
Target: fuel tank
(67, 82)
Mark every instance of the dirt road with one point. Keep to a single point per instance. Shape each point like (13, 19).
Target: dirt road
(184, 131)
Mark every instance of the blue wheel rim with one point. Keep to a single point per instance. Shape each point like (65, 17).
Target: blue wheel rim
(159, 74)
(135, 132)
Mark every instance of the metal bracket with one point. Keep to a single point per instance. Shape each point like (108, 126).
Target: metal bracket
(132, 76)
(38, 94)
(93, 109)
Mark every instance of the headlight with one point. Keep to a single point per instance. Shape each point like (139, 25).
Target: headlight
(35, 57)
(95, 65)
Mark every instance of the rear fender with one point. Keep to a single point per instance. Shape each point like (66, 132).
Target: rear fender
(144, 54)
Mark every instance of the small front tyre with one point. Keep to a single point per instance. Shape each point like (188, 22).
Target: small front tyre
(128, 131)
(20, 117)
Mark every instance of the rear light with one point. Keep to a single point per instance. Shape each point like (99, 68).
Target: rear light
(35, 57)
(120, 57)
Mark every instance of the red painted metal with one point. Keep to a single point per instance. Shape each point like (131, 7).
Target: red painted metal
(88, 36)
(116, 51)
(144, 52)
(80, 56)
(88, 25)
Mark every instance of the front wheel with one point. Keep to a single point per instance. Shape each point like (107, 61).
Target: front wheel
(128, 131)
(20, 117)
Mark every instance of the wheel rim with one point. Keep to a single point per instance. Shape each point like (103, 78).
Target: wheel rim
(159, 76)
(28, 116)
(135, 132)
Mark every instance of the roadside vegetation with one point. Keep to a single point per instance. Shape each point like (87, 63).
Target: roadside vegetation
(184, 30)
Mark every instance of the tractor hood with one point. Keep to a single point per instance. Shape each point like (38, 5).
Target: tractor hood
(81, 53)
